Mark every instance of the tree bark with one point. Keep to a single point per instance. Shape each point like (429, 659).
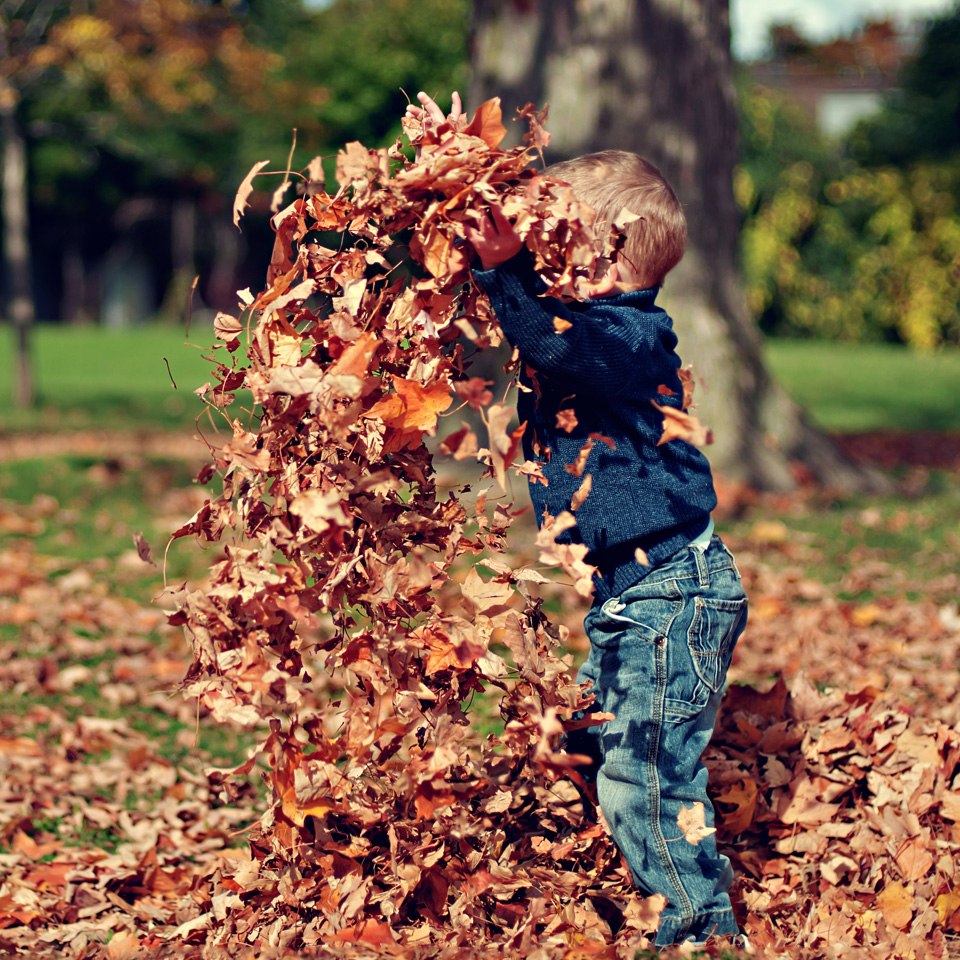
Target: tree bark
(16, 250)
(656, 77)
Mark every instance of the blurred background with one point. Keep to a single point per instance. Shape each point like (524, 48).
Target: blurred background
(128, 124)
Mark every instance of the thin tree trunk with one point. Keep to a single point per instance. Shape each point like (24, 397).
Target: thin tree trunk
(183, 232)
(655, 77)
(74, 280)
(16, 250)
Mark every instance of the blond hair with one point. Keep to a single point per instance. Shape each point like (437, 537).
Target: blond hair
(615, 182)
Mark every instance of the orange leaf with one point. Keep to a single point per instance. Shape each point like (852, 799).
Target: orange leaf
(567, 420)
(896, 905)
(487, 123)
(413, 407)
(367, 931)
(742, 796)
(582, 493)
(30, 848)
(678, 425)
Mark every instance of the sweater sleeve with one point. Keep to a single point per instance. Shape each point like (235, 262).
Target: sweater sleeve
(607, 345)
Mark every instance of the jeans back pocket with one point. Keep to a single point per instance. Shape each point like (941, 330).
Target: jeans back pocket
(712, 636)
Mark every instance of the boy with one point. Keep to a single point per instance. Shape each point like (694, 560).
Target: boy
(668, 605)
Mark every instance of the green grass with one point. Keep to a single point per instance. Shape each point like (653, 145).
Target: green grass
(91, 510)
(91, 377)
(857, 387)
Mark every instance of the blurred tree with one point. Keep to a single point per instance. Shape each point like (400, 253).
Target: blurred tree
(130, 114)
(371, 55)
(860, 247)
(108, 100)
(657, 78)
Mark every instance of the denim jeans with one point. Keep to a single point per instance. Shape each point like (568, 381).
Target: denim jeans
(659, 655)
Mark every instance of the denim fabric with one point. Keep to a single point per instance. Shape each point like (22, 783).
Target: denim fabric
(658, 660)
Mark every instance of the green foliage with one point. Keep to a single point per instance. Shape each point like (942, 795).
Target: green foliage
(366, 53)
(838, 250)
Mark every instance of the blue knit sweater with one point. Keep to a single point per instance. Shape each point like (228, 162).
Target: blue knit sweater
(606, 369)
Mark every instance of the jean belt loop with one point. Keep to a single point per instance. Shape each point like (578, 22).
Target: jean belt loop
(703, 573)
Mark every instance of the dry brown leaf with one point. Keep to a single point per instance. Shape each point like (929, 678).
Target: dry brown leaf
(692, 823)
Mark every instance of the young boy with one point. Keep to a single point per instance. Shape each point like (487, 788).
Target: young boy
(668, 605)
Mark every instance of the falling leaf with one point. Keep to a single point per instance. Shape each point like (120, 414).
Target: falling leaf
(241, 201)
(582, 493)
(679, 425)
(143, 549)
(566, 420)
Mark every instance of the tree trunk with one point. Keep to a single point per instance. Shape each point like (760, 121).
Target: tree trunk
(655, 77)
(16, 251)
(183, 232)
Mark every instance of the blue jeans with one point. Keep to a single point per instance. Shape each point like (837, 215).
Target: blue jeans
(659, 655)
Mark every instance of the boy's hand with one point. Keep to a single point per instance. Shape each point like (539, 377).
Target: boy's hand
(496, 241)
(430, 113)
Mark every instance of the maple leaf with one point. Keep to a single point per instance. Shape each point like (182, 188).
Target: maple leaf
(569, 557)
(413, 409)
(537, 136)
(692, 823)
(474, 391)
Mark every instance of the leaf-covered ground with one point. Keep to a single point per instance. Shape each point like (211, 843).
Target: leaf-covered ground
(834, 768)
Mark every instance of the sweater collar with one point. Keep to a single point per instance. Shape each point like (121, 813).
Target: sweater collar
(636, 298)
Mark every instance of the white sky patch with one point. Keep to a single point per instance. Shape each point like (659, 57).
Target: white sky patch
(818, 19)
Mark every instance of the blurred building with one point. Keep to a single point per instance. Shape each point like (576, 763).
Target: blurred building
(842, 81)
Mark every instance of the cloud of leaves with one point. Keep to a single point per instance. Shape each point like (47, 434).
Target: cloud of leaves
(359, 611)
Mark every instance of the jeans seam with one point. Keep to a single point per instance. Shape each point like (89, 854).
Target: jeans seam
(653, 758)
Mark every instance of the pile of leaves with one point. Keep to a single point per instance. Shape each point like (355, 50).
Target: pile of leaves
(839, 810)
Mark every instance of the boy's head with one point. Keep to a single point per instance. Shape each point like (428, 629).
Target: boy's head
(615, 181)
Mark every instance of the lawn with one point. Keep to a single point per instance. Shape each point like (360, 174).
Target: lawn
(92, 377)
(851, 387)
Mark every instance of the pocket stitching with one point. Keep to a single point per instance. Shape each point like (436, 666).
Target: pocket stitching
(701, 657)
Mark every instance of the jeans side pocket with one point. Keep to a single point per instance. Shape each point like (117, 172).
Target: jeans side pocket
(712, 636)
